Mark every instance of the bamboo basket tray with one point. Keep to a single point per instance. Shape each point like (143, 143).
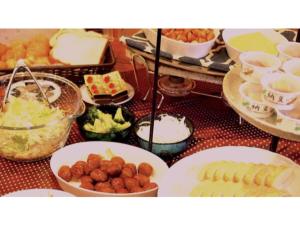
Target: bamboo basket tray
(75, 72)
(231, 84)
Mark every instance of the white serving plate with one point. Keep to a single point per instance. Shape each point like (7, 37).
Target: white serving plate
(181, 178)
(234, 53)
(87, 98)
(39, 193)
(179, 48)
(72, 153)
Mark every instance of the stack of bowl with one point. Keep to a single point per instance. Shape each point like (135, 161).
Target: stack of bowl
(272, 84)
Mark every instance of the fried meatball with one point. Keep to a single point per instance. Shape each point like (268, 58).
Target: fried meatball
(130, 183)
(99, 175)
(87, 185)
(86, 179)
(64, 172)
(3, 49)
(96, 161)
(136, 189)
(94, 157)
(114, 170)
(126, 172)
(77, 169)
(121, 191)
(105, 164)
(107, 190)
(117, 183)
(150, 186)
(132, 166)
(118, 160)
(142, 179)
(90, 166)
(2, 65)
(100, 185)
(145, 169)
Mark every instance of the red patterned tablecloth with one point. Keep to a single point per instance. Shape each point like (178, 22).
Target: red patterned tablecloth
(215, 125)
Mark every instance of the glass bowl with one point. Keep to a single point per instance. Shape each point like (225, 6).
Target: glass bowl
(31, 143)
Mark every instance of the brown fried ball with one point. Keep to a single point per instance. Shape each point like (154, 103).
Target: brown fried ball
(150, 186)
(86, 179)
(3, 48)
(126, 172)
(87, 185)
(118, 160)
(132, 166)
(117, 183)
(100, 185)
(77, 169)
(3, 65)
(99, 175)
(105, 164)
(121, 191)
(94, 157)
(90, 166)
(145, 169)
(130, 183)
(64, 172)
(136, 189)
(114, 170)
(96, 161)
(107, 190)
(142, 179)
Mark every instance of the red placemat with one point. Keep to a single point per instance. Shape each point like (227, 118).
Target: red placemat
(215, 125)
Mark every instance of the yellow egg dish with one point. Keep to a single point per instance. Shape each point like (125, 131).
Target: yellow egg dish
(253, 42)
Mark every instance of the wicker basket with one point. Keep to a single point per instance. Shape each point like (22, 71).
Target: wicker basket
(75, 73)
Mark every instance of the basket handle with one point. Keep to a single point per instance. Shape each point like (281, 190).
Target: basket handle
(21, 64)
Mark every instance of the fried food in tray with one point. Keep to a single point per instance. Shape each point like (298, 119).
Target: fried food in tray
(228, 178)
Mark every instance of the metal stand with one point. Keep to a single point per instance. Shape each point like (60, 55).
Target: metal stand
(157, 56)
(274, 143)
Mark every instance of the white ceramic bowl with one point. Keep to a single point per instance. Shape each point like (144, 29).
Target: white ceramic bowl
(256, 64)
(72, 153)
(258, 107)
(234, 53)
(288, 50)
(292, 67)
(290, 119)
(279, 97)
(179, 48)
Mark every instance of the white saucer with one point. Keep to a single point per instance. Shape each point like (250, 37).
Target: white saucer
(87, 98)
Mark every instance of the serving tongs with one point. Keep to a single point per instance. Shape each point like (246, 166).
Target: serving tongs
(21, 64)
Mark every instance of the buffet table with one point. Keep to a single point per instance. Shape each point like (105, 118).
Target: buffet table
(215, 125)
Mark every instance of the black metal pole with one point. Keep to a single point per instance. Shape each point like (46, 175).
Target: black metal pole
(274, 143)
(298, 36)
(154, 92)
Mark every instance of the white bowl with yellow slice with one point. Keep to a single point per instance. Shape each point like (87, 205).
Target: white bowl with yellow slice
(252, 100)
(290, 119)
(292, 67)
(288, 50)
(280, 89)
(243, 40)
(256, 64)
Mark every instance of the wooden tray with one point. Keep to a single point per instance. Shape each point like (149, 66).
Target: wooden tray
(231, 84)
